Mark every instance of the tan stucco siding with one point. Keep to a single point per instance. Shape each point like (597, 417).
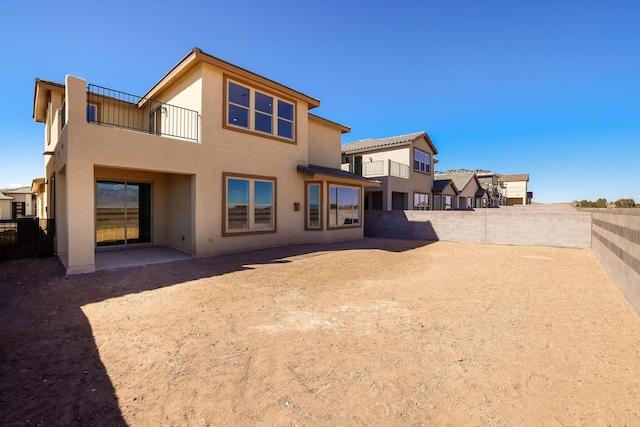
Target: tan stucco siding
(53, 124)
(399, 155)
(5, 209)
(186, 177)
(186, 92)
(324, 144)
(515, 189)
(214, 132)
(470, 189)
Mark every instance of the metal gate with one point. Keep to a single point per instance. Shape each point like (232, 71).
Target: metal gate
(26, 238)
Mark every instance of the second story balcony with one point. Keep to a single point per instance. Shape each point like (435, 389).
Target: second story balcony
(378, 168)
(111, 107)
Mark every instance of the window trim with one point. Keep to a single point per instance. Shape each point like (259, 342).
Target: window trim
(250, 178)
(444, 202)
(423, 194)
(252, 111)
(360, 205)
(307, 227)
(427, 165)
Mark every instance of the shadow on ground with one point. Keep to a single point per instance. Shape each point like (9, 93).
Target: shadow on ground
(47, 350)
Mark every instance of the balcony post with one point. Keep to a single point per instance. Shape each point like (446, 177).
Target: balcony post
(76, 100)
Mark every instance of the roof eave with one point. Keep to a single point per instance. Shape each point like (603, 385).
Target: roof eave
(376, 148)
(196, 55)
(431, 144)
(343, 129)
(356, 179)
(40, 90)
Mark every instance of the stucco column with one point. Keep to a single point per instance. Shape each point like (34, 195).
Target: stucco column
(80, 205)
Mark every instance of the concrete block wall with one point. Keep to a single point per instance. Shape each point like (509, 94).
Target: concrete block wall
(511, 225)
(541, 226)
(616, 245)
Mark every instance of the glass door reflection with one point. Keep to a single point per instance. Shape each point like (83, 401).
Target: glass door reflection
(123, 213)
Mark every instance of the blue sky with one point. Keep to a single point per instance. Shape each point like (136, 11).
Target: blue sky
(549, 88)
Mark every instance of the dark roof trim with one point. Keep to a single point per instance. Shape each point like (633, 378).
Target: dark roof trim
(313, 170)
(343, 129)
(439, 185)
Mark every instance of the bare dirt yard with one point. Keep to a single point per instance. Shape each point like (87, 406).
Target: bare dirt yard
(371, 332)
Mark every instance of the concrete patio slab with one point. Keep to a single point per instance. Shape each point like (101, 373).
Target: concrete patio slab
(111, 260)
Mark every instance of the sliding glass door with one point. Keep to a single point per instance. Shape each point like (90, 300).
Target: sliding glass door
(123, 213)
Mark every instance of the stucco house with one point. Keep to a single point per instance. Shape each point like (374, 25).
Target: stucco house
(38, 190)
(17, 203)
(513, 189)
(503, 189)
(470, 193)
(404, 166)
(445, 195)
(5, 206)
(213, 158)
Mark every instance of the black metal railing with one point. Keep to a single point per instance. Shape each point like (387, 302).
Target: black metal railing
(26, 238)
(112, 107)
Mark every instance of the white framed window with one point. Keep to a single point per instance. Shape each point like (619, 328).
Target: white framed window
(313, 211)
(470, 202)
(344, 206)
(257, 111)
(249, 203)
(421, 161)
(448, 203)
(420, 202)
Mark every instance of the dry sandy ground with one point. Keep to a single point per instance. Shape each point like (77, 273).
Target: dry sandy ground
(372, 332)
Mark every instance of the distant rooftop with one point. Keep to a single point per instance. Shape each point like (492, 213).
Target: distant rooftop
(377, 143)
(483, 173)
(439, 185)
(18, 190)
(517, 177)
(460, 177)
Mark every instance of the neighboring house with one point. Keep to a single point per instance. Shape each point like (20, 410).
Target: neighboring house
(5, 206)
(470, 193)
(503, 189)
(38, 189)
(489, 181)
(445, 195)
(404, 166)
(17, 203)
(513, 189)
(212, 159)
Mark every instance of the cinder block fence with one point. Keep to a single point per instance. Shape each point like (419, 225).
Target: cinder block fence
(510, 225)
(616, 244)
(612, 234)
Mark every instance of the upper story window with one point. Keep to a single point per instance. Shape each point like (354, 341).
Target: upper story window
(92, 112)
(260, 112)
(421, 161)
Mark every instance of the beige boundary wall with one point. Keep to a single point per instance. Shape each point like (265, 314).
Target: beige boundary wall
(616, 245)
(509, 225)
(612, 234)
